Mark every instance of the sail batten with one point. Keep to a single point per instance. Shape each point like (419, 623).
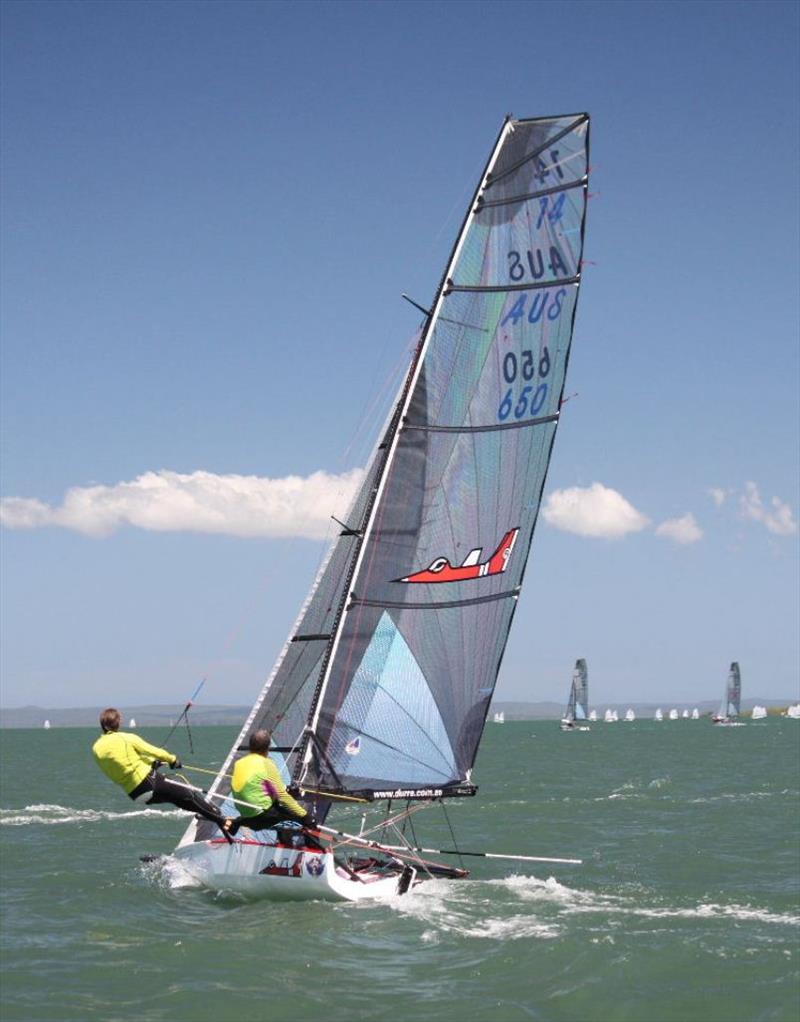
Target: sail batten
(502, 288)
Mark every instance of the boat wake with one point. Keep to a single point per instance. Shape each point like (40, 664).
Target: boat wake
(52, 814)
(520, 907)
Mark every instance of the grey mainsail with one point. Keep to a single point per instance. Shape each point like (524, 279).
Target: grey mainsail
(386, 680)
(578, 705)
(731, 706)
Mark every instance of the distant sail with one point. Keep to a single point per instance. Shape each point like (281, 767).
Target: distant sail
(759, 712)
(793, 711)
(684, 714)
(695, 714)
(500, 718)
(46, 725)
(578, 704)
(132, 722)
(658, 715)
(593, 715)
(629, 714)
(731, 702)
(673, 714)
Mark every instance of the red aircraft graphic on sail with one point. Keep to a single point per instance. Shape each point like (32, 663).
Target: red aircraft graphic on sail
(441, 570)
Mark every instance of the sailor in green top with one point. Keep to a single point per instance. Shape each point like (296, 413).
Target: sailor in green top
(264, 798)
(133, 763)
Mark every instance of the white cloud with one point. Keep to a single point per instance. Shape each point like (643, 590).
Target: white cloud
(778, 520)
(718, 495)
(595, 510)
(166, 501)
(682, 530)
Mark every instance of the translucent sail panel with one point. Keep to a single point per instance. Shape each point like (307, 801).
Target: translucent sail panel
(540, 154)
(496, 359)
(389, 725)
(415, 705)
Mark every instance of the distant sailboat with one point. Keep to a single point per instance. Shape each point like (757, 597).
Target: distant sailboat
(576, 715)
(731, 703)
(593, 716)
(673, 714)
(611, 717)
(658, 715)
(499, 718)
(695, 714)
(629, 714)
(132, 722)
(759, 712)
(46, 725)
(793, 712)
(684, 714)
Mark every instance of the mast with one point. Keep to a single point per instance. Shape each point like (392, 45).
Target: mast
(390, 444)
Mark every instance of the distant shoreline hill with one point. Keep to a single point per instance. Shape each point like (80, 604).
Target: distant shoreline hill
(154, 716)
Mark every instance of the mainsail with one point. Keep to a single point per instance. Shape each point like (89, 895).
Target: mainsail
(384, 685)
(733, 693)
(578, 705)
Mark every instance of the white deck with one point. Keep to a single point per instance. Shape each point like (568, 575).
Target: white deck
(278, 872)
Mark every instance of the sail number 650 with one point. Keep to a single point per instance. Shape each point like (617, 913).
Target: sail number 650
(530, 400)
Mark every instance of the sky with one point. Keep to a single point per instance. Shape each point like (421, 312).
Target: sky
(210, 212)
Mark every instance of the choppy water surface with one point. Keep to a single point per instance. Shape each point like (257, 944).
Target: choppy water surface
(687, 905)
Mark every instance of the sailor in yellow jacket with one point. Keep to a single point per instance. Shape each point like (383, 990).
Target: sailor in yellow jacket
(132, 763)
(264, 799)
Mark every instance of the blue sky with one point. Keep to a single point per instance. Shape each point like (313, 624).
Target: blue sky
(209, 214)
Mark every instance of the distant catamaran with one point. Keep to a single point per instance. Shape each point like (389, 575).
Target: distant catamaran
(731, 703)
(673, 714)
(577, 713)
(629, 715)
(500, 717)
(759, 712)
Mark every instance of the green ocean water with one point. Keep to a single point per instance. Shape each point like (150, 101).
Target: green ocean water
(686, 907)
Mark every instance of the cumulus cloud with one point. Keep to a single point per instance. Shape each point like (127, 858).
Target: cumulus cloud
(684, 530)
(777, 518)
(164, 501)
(594, 510)
(718, 495)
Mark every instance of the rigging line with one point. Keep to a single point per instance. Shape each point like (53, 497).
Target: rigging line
(452, 834)
(184, 711)
(382, 824)
(309, 791)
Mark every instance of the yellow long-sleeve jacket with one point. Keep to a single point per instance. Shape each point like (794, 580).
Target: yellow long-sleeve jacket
(257, 781)
(126, 758)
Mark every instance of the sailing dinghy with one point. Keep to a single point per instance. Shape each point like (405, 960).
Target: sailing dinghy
(576, 715)
(382, 689)
(731, 704)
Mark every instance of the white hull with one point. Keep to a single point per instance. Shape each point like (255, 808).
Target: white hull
(278, 872)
